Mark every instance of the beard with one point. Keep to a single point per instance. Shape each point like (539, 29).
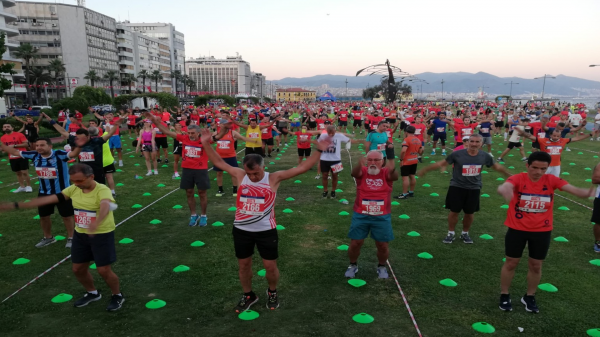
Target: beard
(373, 170)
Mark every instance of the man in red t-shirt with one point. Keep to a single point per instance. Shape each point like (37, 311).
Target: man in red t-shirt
(372, 209)
(303, 142)
(18, 165)
(529, 221)
(194, 166)
(342, 119)
(357, 118)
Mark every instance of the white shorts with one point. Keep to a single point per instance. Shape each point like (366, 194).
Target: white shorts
(554, 170)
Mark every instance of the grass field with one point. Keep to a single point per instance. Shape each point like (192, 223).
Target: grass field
(316, 299)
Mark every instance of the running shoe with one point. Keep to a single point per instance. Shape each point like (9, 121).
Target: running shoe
(325, 194)
(328, 177)
(156, 172)
(530, 305)
(411, 194)
(277, 149)
(444, 153)
(120, 163)
(149, 173)
(45, 242)
(499, 159)
(269, 155)
(166, 161)
(318, 176)
(220, 193)
(272, 301)
(332, 194)
(402, 196)
(203, 221)
(158, 160)
(28, 189)
(69, 243)
(286, 144)
(420, 159)
(87, 299)
(19, 190)
(116, 301)
(382, 272)
(449, 238)
(597, 247)
(175, 176)
(505, 303)
(466, 238)
(194, 220)
(351, 271)
(245, 303)
(524, 159)
(567, 149)
(433, 153)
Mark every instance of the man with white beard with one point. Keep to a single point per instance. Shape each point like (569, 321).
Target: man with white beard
(372, 209)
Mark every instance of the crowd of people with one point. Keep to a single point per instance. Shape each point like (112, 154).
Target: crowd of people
(84, 193)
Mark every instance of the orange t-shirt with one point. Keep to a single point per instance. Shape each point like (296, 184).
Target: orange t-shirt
(554, 149)
(413, 145)
(226, 146)
(15, 138)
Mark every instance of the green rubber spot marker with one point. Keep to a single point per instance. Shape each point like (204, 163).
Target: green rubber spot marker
(511, 167)
(499, 152)
(434, 195)
(248, 315)
(484, 172)
(343, 201)
(426, 185)
(547, 287)
(272, 163)
(215, 179)
(588, 180)
(363, 153)
(483, 327)
(345, 247)
(595, 156)
(136, 164)
(579, 152)
(146, 194)
(504, 260)
(338, 191)
(120, 184)
(218, 224)
(504, 206)
(239, 162)
(61, 298)
(343, 213)
(529, 152)
(181, 268)
(232, 209)
(126, 241)
(298, 182)
(587, 169)
(413, 234)
(131, 156)
(277, 158)
(500, 179)
(486, 237)
(3, 160)
(566, 174)
(320, 187)
(355, 282)
(363, 318)
(485, 195)
(119, 170)
(595, 262)
(290, 199)
(266, 168)
(340, 182)
(136, 206)
(59, 238)
(37, 183)
(160, 185)
(155, 222)
(432, 162)
(93, 266)
(404, 216)
(20, 260)
(177, 207)
(572, 164)
(163, 165)
(196, 195)
(425, 255)
(279, 155)
(156, 304)
(177, 178)
(425, 157)
(395, 203)
(564, 208)
(197, 244)
(561, 239)
(594, 332)
(287, 210)
(280, 227)
(37, 217)
(448, 282)
(262, 272)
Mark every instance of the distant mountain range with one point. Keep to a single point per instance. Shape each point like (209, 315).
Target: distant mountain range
(462, 82)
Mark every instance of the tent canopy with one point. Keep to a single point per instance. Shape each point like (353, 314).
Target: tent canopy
(327, 97)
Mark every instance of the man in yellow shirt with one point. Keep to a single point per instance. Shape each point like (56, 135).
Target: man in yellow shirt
(94, 238)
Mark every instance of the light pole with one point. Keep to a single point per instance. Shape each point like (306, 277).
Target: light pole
(510, 93)
(46, 92)
(544, 85)
(442, 89)
(346, 88)
(594, 65)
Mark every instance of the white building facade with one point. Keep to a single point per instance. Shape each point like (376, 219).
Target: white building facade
(230, 76)
(8, 24)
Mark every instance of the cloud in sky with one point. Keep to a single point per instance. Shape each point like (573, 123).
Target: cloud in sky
(524, 38)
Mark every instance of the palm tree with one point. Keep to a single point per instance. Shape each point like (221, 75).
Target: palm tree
(176, 74)
(39, 76)
(92, 77)
(143, 74)
(27, 53)
(190, 83)
(58, 68)
(156, 76)
(128, 78)
(111, 76)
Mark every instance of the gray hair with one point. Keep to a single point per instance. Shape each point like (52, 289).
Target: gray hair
(476, 135)
(379, 153)
(81, 168)
(194, 127)
(93, 131)
(330, 128)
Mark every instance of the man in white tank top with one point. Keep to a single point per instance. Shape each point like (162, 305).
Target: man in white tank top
(254, 223)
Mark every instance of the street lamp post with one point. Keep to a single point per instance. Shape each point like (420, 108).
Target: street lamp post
(46, 92)
(544, 85)
(442, 89)
(594, 65)
(510, 92)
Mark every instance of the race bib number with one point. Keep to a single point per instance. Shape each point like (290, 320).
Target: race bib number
(471, 170)
(254, 135)
(157, 131)
(337, 168)
(541, 135)
(417, 131)
(321, 126)
(534, 203)
(388, 133)
(72, 133)
(303, 138)
(193, 152)
(83, 218)
(381, 147)
(46, 172)
(467, 132)
(223, 144)
(26, 132)
(86, 156)
(485, 130)
(372, 207)
(441, 129)
(265, 130)
(554, 150)
(250, 205)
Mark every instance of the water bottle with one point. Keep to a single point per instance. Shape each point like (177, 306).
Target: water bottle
(138, 177)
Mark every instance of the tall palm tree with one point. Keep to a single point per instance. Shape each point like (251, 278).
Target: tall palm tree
(39, 76)
(190, 83)
(27, 53)
(110, 76)
(92, 77)
(176, 75)
(156, 76)
(128, 78)
(57, 67)
(184, 81)
(143, 74)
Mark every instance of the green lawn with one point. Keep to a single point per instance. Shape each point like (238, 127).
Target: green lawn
(315, 297)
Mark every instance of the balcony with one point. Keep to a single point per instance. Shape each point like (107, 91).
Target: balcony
(8, 18)
(10, 32)
(9, 3)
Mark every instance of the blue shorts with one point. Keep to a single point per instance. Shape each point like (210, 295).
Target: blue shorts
(232, 161)
(379, 226)
(114, 142)
(274, 133)
(295, 125)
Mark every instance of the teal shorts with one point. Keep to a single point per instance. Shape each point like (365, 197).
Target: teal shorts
(379, 226)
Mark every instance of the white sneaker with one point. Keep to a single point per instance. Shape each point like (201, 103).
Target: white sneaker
(598, 139)
(28, 189)
(120, 163)
(318, 176)
(155, 172)
(149, 173)
(175, 176)
(568, 149)
(19, 190)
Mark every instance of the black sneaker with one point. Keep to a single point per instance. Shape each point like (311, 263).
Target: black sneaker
(166, 161)
(87, 299)
(325, 194)
(420, 160)
(277, 150)
(505, 303)
(272, 302)
(530, 305)
(158, 160)
(245, 303)
(449, 238)
(466, 238)
(116, 301)
(269, 155)
(402, 196)
(411, 194)
(333, 195)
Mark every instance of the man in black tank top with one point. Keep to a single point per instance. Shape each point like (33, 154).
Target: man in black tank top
(30, 128)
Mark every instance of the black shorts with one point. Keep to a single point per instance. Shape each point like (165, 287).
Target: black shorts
(304, 152)
(161, 142)
(99, 248)
(408, 170)
(267, 243)
(596, 212)
(284, 130)
(326, 165)
(441, 138)
(177, 149)
(109, 169)
(19, 164)
(268, 142)
(342, 123)
(535, 145)
(191, 178)
(537, 243)
(499, 124)
(65, 209)
(131, 127)
(512, 145)
(256, 150)
(430, 131)
(389, 153)
(100, 177)
(357, 122)
(461, 199)
(232, 161)
(312, 125)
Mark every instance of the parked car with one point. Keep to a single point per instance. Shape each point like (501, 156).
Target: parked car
(41, 107)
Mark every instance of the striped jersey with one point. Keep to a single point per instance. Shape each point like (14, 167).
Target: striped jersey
(255, 206)
(52, 171)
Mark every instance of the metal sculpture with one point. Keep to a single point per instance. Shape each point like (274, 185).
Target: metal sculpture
(388, 82)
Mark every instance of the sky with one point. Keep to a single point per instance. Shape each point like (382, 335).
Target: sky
(282, 38)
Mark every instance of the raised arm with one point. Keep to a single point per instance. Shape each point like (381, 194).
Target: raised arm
(439, 165)
(524, 134)
(238, 136)
(216, 159)
(579, 192)
(393, 174)
(34, 203)
(159, 125)
(582, 137)
(17, 117)
(279, 176)
(57, 126)
(38, 120)
(357, 169)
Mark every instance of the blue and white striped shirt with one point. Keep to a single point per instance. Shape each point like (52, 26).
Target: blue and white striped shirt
(52, 171)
